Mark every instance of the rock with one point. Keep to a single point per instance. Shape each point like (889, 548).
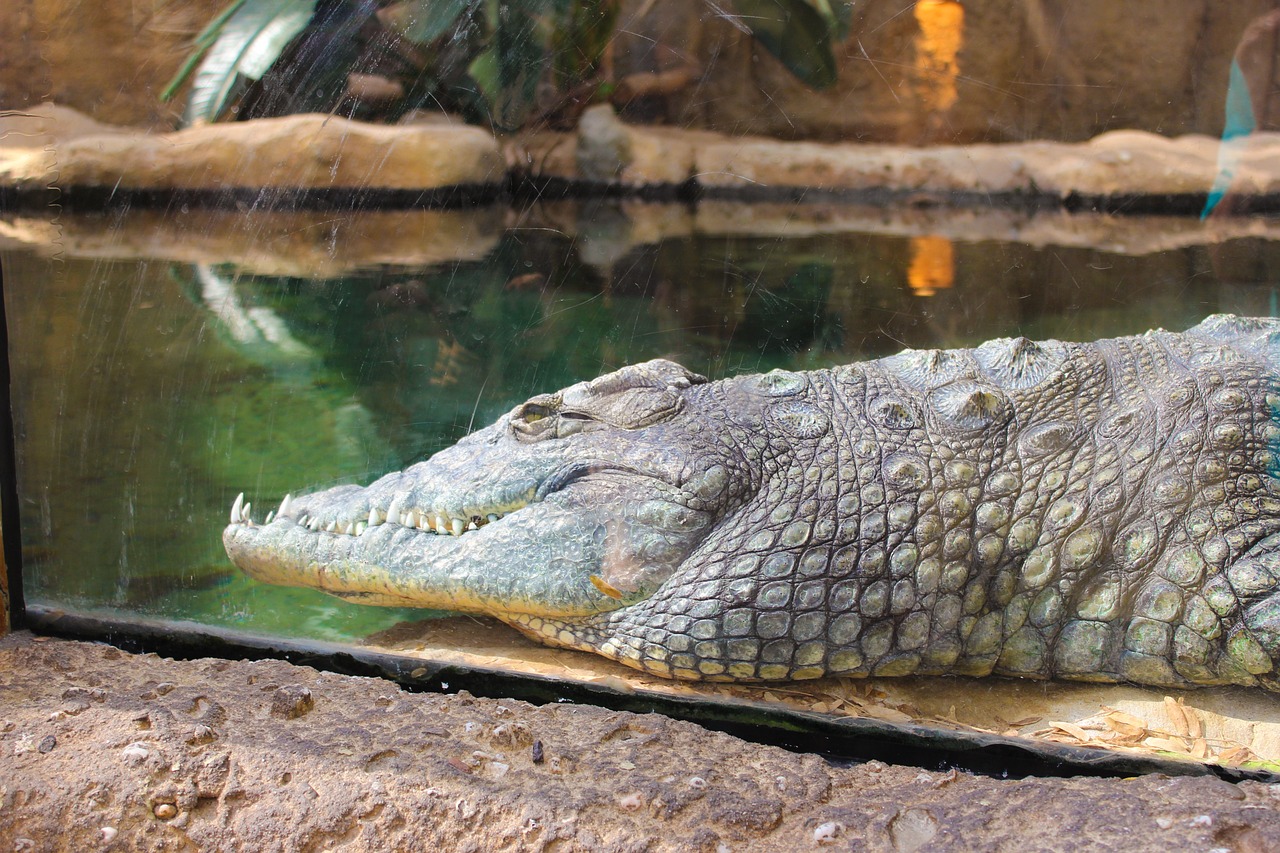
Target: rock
(289, 703)
(1121, 163)
(47, 124)
(302, 151)
(677, 786)
(325, 153)
(604, 145)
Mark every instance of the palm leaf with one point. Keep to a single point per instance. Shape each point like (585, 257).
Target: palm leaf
(249, 41)
(508, 70)
(797, 34)
(433, 18)
(838, 15)
(207, 36)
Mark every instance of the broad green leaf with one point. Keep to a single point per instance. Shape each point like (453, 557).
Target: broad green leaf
(837, 14)
(796, 33)
(484, 70)
(265, 48)
(203, 40)
(249, 42)
(507, 72)
(431, 19)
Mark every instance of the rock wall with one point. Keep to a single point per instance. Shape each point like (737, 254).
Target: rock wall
(103, 750)
(1026, 68)
(110, 60)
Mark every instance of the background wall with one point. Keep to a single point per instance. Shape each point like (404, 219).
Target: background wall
(1057, 69)
(1063, 69)
(108, 59)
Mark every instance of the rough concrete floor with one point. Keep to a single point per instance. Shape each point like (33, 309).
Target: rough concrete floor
(101, 749)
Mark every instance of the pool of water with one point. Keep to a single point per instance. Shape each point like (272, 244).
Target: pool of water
(152, 383)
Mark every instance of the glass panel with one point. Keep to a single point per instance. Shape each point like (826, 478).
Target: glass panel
(383, 226)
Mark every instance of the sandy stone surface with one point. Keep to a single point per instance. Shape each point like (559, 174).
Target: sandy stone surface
(1114, 164)
(315, 151)
(101, 749)
(53, 145)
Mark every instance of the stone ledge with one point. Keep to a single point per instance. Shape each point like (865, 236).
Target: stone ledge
(103, 749)
(302, 151)
(1117, 164)
(345, 159)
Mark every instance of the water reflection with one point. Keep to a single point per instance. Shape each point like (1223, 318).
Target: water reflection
(149, 391)
(933, 265)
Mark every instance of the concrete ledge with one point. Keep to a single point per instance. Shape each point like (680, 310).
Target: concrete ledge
(336, 162)
(311, 151)
(103, 749)
(1117, 164)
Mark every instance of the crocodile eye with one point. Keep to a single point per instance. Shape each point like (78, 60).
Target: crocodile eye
(544, 417)
(534, 412)
(532, 419)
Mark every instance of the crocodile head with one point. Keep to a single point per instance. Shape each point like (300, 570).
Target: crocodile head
(574, 504)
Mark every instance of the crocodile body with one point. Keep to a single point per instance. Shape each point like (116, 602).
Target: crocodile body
(1101, 511)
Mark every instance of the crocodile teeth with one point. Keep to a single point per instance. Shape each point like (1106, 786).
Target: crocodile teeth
(418, 519)
(236, 509)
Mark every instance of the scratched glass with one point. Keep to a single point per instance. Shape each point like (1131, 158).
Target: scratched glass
(858, 179)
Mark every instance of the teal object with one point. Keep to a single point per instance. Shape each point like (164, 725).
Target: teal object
(1240, 122)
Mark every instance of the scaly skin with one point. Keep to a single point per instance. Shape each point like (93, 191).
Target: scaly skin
(1101, 512)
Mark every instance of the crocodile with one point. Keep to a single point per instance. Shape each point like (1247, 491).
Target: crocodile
(1104, 511)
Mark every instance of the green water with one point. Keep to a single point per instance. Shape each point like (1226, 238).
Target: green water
(147, 393)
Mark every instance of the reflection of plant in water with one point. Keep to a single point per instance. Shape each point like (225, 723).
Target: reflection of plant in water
(429, 353)
(498, 63)
(450, 360)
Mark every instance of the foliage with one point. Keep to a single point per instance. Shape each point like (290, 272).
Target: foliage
(799, 34)
(245, 40)
(490, 59)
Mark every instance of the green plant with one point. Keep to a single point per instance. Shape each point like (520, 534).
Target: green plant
(489, 59)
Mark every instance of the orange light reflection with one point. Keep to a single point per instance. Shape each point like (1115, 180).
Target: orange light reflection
(938, 43)
(933, 265)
